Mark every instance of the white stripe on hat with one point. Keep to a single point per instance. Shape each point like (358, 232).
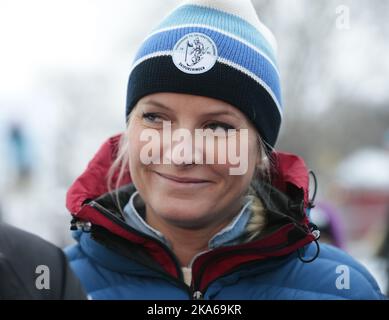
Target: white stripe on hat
(243, 9)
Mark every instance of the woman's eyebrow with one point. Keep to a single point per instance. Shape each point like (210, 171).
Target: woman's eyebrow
(215, 113)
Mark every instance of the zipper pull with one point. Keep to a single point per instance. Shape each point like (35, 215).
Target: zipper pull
(86, 226)
(197, 295)
(76, 224)
(73, 224)
(314, 230)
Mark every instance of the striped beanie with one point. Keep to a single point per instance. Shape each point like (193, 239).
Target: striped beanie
(213, 48)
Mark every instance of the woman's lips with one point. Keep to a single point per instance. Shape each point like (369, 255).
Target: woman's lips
(183, 181)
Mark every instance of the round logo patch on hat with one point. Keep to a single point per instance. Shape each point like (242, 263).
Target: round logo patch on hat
(195, 53)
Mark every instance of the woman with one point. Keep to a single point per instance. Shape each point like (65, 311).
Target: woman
(192, 201)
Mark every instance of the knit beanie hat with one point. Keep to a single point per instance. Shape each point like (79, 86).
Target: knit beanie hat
(217, 49)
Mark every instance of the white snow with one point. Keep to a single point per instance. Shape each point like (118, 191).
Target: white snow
(366, 169)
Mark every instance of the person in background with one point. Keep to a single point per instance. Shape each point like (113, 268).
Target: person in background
(327, 220)
(172, 229)
(19, 153)
(34, 269)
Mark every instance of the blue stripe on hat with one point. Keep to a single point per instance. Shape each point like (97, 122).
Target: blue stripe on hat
(228, 48)
(192, 14)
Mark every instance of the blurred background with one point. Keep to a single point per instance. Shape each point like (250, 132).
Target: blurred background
(63, 74)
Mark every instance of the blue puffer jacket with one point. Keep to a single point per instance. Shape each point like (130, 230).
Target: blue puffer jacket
(107, 275)
(115, 261)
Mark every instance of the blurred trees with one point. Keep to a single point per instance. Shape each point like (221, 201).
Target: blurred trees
(333, 80)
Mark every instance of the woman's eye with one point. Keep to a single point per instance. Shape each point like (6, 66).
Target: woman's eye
(151, 117)
(219, 125)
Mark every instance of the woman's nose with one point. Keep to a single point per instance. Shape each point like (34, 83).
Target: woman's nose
(182, 150)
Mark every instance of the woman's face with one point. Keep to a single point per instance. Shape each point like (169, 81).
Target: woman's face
(190, 195)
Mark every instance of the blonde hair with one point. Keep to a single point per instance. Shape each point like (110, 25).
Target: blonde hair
(262, 173)
(258, 211)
